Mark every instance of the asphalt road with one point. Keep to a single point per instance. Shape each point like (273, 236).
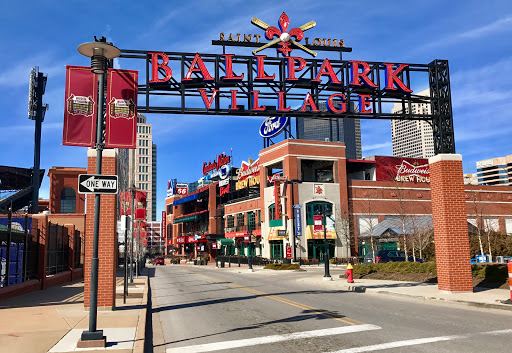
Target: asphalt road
(202, 309)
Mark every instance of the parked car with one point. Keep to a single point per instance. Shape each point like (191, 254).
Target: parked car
(387, 256)
(158, 261)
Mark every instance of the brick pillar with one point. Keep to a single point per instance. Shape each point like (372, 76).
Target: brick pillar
(450, 223)
(107, 247)
(40, 225)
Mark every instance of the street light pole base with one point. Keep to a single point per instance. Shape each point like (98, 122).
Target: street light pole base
(250, 270)
(92, 340)
(327, 278)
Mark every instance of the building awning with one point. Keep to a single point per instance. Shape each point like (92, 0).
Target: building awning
(186, 219)
(229, 241)
(191, 217)
(186, 199)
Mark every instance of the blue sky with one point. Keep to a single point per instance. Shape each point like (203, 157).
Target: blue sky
(473, 35)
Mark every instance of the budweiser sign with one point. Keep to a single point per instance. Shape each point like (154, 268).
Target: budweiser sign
(408, 170)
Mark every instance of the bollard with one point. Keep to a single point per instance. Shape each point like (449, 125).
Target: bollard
(349, 273)
(238, 260)
(229, 259)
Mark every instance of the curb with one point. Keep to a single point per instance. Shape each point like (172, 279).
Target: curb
(140, 334)
(362, 289)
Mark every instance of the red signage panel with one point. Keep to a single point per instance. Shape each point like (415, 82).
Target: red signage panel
(81, 99)
(317, 223)
(140, 205)
(164, 225)
(121, 120)
(288, 252)
(409, 170)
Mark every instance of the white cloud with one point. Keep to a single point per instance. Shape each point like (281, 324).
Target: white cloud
(377, 146)
(19, 74)
(500, 25)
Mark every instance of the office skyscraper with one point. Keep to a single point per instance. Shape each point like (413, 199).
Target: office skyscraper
(347, 131)
(412, 138)
(142, 165)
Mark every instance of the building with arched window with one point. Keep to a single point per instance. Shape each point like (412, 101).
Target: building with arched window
(64, 196)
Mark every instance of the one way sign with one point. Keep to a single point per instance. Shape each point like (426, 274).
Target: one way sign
(97, 184)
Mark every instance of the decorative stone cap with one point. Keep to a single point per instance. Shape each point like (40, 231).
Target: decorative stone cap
(445, 157)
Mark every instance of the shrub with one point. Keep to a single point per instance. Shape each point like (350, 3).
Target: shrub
(282, 267)
(492, 273)
(397, 267)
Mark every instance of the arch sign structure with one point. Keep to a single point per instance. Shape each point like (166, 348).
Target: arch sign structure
(287, 85)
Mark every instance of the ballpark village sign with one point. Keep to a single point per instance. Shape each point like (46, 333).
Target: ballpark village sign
(290, 85)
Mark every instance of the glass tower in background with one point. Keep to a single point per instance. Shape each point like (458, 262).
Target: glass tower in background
(347, 131)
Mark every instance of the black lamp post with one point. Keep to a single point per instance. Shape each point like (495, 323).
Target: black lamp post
(99, 52)
(327, 275)
(291, 182)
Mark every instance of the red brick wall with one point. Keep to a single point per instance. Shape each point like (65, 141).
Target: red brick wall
(107, 239)
(61, 178)
(450, 224)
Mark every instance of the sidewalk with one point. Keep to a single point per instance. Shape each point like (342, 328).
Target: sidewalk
(481, 297)
(52, 320)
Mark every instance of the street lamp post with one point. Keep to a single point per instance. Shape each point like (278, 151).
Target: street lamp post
(99, 52)
(291, 182)
(327, 275)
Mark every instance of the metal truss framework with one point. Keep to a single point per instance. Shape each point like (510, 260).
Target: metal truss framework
(186, 98)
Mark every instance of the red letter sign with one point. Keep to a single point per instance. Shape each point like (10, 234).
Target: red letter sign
(308, 101)
(326, 69)
(155, 66)
(364, 103)
(228, 58)
(292, 69)
(261, 69)
(342, 105)
(200, 68)
(356, 75)
(208, 103)
(392, 77)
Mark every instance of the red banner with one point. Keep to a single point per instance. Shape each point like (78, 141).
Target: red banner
(164, 224)
(121, 121)
(125, 201)
(277, 200)
(81, 98)
(140, 205)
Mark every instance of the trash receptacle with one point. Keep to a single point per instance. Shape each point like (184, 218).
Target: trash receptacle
(195, 262)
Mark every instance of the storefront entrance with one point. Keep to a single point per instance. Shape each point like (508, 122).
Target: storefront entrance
(316, 249)
(276, 250)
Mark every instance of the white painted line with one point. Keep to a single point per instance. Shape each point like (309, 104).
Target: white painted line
(398, 344)
(217, 346)
(117, 338)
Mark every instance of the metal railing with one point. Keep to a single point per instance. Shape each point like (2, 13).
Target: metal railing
(23, 254)
(57, 254)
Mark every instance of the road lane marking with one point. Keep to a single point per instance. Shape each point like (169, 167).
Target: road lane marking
(217, 346)
(346, 320)
(415, 342)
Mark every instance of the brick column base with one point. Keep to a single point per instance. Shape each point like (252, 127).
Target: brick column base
(108, 246)
(450, 223)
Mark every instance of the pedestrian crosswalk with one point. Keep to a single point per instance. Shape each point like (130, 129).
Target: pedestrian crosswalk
(217, 346)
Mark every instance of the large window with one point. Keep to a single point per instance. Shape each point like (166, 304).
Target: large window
(271, 217)
(67, 200)
(317, 208)
(251, 220)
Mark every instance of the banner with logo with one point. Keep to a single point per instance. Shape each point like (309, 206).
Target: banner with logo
(125, 201)
(121, 120)
(414, 170)
(81, 99)
(164, 224)
(140, 205)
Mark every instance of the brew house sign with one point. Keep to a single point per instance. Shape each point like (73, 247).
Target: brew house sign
(283, 77)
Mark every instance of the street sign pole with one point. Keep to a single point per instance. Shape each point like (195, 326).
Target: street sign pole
(93, 333)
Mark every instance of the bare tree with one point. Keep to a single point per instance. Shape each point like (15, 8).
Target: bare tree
(368, 218)
(478, 207)
(342, 227)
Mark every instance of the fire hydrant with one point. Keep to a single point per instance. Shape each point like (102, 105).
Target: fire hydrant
(350, 278)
